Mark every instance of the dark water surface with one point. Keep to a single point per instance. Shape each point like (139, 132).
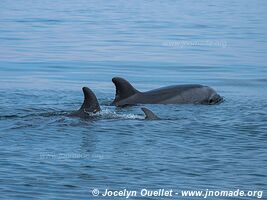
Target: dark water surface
(49, 50)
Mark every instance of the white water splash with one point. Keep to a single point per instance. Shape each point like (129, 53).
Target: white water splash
(105, 113)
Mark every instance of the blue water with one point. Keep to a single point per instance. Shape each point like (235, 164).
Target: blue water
(49, 50)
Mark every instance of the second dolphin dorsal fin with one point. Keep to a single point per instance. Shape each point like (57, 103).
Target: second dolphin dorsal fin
(90, 103)
(123, 89)
(149, 114)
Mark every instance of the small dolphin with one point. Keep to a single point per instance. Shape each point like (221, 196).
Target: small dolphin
(149, 114)
(127, 95)
(91, 106)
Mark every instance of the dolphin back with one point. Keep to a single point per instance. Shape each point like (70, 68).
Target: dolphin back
(90, 103)
(149, 114)
(123, 89)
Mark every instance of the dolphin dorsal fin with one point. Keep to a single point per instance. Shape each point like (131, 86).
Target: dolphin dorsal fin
(123, 89)
(90, 103)
(149, 114)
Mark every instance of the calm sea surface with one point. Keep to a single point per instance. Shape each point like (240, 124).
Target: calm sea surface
(49, 50)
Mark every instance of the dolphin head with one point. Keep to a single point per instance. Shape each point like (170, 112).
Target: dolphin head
(212, 97)
(215, 98)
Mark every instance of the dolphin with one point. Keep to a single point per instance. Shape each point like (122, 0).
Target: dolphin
(91, 106)
(149, 114)
(127, 95)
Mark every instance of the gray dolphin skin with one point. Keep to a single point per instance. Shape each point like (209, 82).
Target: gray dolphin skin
(90, 104)
(127, 95)
(149, 114)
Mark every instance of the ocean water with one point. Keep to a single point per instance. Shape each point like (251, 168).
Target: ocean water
(50, 49)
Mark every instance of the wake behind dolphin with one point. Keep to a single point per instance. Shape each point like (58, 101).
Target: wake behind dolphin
(126, 94)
